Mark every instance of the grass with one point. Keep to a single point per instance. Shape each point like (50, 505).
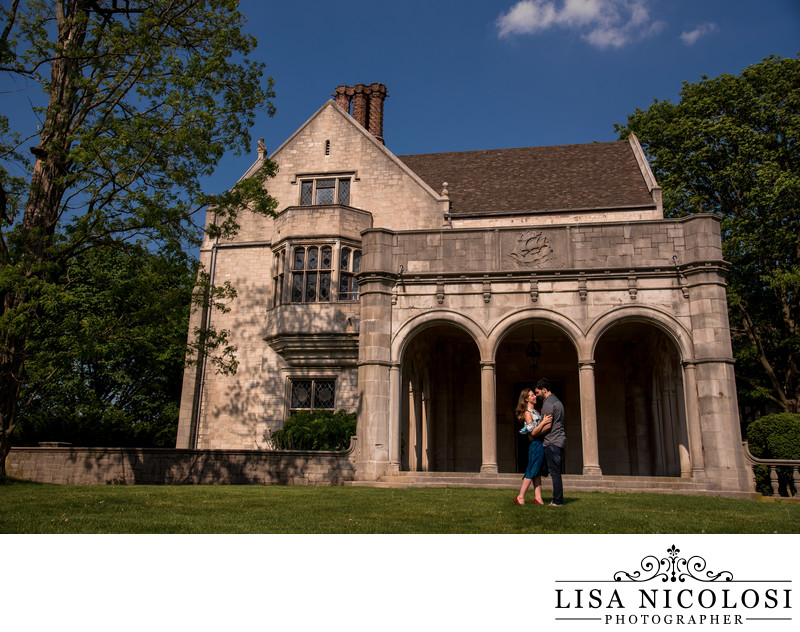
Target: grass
(38, 508)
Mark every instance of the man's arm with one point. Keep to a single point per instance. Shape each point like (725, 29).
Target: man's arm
(543, 427)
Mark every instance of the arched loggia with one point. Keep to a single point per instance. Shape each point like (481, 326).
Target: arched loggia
(641, 418)
(527, 351)
(440, 400)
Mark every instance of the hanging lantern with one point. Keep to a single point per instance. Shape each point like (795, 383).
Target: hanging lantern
(533, 352)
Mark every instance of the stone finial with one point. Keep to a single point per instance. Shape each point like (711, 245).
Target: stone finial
(262, 149)
(445, 190)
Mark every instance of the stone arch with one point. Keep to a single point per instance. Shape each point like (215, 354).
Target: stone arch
(561, 343)
(431, 318)
(568, 327)
(659, 319)
(439, 354)
(642, 425)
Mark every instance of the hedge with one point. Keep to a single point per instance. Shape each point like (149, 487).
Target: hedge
(315, 430)
(775, 437)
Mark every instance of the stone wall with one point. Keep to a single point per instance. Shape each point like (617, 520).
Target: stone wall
(159, 466)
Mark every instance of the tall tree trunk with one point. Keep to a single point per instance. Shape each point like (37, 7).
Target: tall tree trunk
(40, 219)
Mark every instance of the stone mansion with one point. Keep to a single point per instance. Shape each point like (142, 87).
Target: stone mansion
(426, 291)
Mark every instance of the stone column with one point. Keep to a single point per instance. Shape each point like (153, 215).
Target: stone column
(693, 420)
(591, 453)
(395, 387)
(488, 419)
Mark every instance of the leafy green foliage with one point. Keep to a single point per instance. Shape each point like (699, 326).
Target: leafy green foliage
(106, 350)
(315, 430)
(138, 103)
(775, 437)
(730, 146)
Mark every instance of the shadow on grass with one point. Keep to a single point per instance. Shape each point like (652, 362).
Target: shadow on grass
(10, 480)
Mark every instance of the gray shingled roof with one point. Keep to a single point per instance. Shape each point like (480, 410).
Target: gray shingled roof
(595, 175)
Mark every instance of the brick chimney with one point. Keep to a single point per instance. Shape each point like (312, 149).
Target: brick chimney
(367, 102)
(343, 96)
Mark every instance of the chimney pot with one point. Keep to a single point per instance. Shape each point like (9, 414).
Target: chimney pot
(367, 102)
(343, 96)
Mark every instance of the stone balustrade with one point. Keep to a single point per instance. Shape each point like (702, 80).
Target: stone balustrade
(772, 466)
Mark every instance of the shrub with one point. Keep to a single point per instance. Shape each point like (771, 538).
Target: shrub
(315, 430)
(775, 437)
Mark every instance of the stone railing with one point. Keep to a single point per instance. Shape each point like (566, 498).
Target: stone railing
(62, 464)
(772, 466)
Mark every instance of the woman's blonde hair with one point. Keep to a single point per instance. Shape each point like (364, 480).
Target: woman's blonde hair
(522, 405)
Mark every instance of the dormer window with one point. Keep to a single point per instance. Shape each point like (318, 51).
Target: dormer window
(325, 191)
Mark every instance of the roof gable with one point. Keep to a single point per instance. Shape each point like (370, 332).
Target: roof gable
(402, 166)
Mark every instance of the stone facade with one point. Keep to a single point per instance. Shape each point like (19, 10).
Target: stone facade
(467, 260)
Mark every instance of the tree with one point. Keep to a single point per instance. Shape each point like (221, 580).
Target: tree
(730, 146)
(115, 339)
(143, 99)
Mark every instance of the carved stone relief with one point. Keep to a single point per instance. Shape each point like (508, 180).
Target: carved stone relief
(531, 250)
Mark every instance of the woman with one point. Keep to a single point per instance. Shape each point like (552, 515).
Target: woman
(528, 415)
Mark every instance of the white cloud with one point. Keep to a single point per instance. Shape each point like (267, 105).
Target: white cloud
(602, 23)
(690, 37)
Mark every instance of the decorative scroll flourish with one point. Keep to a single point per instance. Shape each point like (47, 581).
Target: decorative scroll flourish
(673, 568)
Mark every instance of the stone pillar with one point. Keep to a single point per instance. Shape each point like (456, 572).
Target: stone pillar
(693, 420)
(724, 463)
(488, 419)
(725, 466)
(360, 104)
(374, 350)
(591, 453)
(395, 388)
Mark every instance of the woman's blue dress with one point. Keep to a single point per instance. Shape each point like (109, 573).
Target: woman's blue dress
(535, 452)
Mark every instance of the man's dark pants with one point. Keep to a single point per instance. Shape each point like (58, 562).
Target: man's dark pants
(553, 454)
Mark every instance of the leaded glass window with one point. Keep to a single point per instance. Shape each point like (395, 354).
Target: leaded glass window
(325, 191)
(306, 192)
(350, 265)
(344, 191)
(312, 394)
(311, 276)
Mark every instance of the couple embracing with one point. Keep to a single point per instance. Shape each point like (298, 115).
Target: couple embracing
(545, 431)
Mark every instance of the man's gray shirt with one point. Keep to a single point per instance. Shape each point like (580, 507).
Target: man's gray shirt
(557, 437)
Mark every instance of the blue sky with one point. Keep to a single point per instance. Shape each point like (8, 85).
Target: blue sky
(484, 74)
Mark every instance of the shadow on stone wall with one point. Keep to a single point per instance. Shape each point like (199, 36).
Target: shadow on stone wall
(160, 466)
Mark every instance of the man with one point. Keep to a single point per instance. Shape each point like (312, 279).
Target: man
(555, 439)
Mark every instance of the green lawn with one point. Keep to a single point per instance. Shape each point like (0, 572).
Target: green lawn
(36, 508)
